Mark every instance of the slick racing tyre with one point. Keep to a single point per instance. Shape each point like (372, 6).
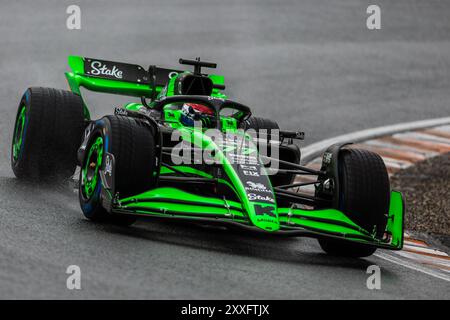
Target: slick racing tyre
(47, 133)
(262, 126)
(289, 153)
(132, 144)
(364, 198)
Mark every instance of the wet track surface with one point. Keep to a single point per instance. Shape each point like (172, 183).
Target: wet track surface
(311, 65)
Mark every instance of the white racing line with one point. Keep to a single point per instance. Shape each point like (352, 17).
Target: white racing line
(400, 146)
(412, 266)
(313, 150)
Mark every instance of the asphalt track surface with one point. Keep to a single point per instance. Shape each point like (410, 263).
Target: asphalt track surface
(308, 64)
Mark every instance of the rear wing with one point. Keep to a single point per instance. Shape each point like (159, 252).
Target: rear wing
(121, 78)
(116, 77)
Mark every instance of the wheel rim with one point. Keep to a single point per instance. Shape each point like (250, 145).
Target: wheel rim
(18, 132)
(89, 173)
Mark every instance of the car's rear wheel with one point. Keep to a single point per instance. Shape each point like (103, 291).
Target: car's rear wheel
(364, 198)
(132, 144)
(289, 153)
(47, 133)
(262, 126)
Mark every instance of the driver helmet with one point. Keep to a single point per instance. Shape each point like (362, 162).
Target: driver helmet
(191, 112)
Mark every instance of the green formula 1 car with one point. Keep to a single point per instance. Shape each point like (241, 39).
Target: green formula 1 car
(185, 151)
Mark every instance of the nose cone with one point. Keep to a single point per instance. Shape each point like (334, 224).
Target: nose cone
(264, 216)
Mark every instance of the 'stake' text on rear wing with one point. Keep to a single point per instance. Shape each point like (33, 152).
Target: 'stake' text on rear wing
(115, 77)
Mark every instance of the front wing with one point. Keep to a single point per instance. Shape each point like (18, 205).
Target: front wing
(174, 203)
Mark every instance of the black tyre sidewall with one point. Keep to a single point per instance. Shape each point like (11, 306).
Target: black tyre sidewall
(369, 189)
(19, 168)
(345, 248)
(366, 204)
(52, 134)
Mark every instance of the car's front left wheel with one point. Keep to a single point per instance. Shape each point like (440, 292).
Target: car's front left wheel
(132, 144)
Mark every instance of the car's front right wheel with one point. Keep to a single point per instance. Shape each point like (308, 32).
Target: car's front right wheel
(47, 133)
(364, 194)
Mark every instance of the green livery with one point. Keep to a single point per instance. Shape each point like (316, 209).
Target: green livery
(185, 151)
